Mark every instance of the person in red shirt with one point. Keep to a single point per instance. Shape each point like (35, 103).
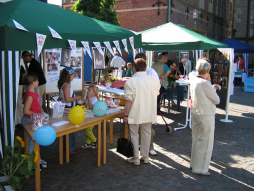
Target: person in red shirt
(240, 63)
(32, 106)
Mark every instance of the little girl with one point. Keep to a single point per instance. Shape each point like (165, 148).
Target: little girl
(32, 106)
(92, 98)
(67, 96)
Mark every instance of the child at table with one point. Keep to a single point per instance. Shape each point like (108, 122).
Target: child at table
(32, 106)
(92, 98)
(67, 96)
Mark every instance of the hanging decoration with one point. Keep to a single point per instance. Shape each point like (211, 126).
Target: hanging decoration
(116, 42)
(73, 46)
(107, 44)
(125, 44)
(40, 39)
(18, 26)
(54, 33)
(86, 45)
(98, 46)
(132, 42)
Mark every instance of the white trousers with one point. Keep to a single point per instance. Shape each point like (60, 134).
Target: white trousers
(202, 142)
(145, 133)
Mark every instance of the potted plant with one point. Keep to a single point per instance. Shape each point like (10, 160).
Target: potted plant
(15, 165)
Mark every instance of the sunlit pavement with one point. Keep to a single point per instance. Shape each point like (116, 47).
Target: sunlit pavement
(231, 168)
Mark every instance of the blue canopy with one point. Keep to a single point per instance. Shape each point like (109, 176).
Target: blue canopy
(239, 47)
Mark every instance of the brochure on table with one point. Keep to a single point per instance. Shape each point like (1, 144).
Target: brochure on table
(56, 60)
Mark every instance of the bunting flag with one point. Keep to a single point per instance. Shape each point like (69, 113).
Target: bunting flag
(98, 46)
(73, 46)
(116, 42)
(107, 44)
(18, 26)
(40, 39)
(54, 33)
(125, 44)
(132, 42)
(86, 45)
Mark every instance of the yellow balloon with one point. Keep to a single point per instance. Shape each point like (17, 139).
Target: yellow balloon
(77, 115)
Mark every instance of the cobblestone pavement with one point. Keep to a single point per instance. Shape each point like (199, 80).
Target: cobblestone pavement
(232, 165)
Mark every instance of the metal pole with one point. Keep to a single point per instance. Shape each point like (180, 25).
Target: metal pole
(169, 10)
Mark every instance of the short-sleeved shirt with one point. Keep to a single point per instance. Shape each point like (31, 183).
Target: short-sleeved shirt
(35, 106)
(166, 68)
(93, 100)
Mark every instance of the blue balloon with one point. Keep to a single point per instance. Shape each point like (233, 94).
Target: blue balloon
(45, 135)
(100, 108)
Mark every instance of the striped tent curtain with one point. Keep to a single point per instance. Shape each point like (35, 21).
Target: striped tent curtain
(10, 70)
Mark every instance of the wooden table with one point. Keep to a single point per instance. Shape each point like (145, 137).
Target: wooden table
(68, 128)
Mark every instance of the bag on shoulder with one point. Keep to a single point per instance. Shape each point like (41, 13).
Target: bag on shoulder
(124, 146)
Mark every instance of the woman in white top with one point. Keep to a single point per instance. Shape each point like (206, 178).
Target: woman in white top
(67, 96)
(204, 98)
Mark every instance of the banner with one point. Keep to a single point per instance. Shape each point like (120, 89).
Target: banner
(116, 42)
(73, 46)
(40, 39)
(98, 46)
(132, 42)
(18, 26)
(107, 44)
(125, 44)
(86, 45)
(54, 33)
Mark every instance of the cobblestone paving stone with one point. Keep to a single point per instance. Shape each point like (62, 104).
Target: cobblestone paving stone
(232, 165)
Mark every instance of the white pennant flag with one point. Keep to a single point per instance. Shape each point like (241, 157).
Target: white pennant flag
(98, 46)
(54, 33)
(18, 26)
(73, 46)
(116, 42)
(132, 42)
(86, 45)
(107, 44)
(40, 39)
(125, 44)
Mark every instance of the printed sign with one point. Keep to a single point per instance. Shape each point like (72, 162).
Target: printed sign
(73, 46)
(107, 44)
(125, 44)
(86, 45)
(54, 33)
(132, 41)
(18, 26)
(116, 42)
(40, 39)
(98, 46)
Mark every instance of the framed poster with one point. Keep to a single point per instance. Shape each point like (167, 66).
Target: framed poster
(220, 63)
(56, 60)
(98, 59)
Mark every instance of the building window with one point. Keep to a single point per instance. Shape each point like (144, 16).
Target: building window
(215, 36)
(210, 6)
(201, 3)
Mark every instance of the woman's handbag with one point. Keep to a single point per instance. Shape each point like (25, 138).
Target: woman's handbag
(124, 146)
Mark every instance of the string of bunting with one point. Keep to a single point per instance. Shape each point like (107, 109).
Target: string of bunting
(40, 39)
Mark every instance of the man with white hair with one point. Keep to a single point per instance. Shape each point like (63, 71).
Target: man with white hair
(117, 61)
(187, 65)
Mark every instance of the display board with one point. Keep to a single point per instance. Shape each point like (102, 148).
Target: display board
(220, 66)
(54, 62)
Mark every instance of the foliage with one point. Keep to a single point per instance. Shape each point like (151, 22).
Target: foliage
(16, 165)
(198, 30)
(98, 9)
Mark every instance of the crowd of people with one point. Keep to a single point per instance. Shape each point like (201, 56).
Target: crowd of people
(143, 93)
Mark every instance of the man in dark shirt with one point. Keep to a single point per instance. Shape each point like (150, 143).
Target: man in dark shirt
(35, 67)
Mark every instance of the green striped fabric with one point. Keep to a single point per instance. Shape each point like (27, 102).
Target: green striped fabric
(9, 69)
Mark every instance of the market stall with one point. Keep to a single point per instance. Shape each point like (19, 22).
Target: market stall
(34, 25)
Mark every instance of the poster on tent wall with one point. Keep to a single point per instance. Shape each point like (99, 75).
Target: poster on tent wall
(51, 68)
(220, 64)
(98, 59)
(56, 60)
